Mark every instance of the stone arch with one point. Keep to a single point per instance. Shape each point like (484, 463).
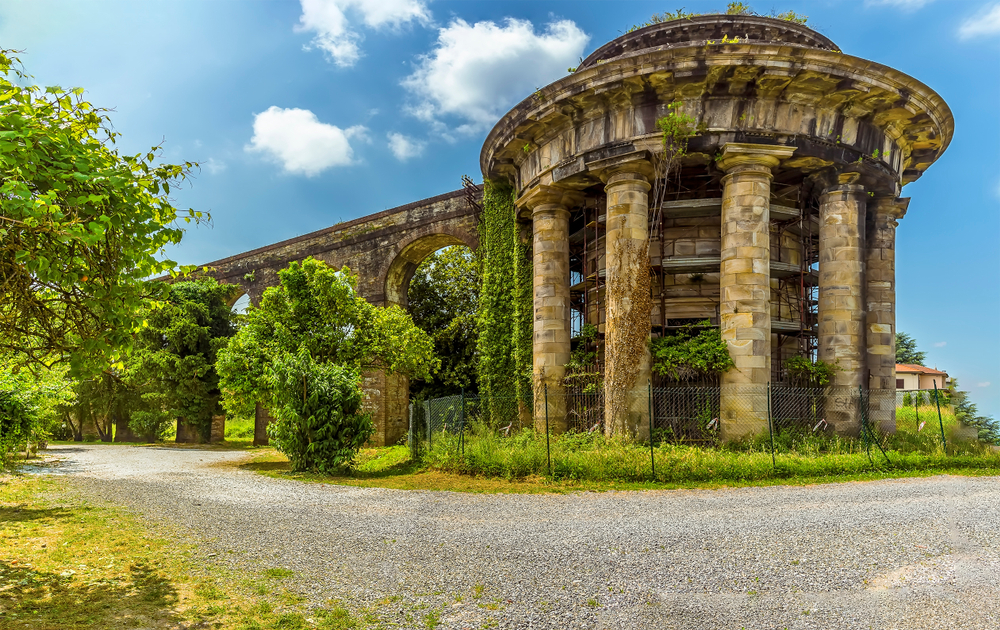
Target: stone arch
(411, 253)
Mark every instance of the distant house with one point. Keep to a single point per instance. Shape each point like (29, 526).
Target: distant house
(910, 377)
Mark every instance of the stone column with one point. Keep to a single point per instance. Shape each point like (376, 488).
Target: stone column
(880, 289)
(551, 305)
(626, 331)
(745, 284)
(841, 333)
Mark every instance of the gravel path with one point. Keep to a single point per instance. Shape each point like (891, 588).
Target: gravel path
(906, 554)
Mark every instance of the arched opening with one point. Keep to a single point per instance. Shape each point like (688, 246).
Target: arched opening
(397, 279)
(240, 304)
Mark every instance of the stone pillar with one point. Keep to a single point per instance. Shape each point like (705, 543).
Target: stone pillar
(745, 284)
(880, 290)
(626, 331)
(551, 305)
(841, 334)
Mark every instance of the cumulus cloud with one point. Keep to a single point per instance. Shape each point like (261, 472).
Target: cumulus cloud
(405, 147)
(983, 384)
(477, 71)
(983, 24)
(940, 344)
(300, 143)
(328, 20)
(907, 5)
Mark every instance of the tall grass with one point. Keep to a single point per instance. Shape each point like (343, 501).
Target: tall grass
(592, 457)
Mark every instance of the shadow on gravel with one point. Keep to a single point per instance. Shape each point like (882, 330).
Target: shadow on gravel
(20, 515)
(35, 599)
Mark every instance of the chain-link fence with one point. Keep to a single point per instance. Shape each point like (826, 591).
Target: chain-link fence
(778, 419)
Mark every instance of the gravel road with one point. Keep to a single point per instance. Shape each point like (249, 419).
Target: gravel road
(906, 554)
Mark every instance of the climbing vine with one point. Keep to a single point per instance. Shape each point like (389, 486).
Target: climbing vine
(676, 128)
(805, 373)
(523, 316)
(502, 320)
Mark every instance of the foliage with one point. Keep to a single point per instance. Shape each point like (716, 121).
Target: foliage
(498, 241)
(677, 129)
(81, 226)
(28, 405)
(694, 350)
(102, 401)
(172, 367)
(967, 412)
(906, 350)
(524, 316)
(443, 296)
(806, 373)
(319, 425)
(733, 8)
(317, 308)
(595, 457)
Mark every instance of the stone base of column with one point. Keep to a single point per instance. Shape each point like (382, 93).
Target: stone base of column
(742, 411)
(843, 410)
(551, 401)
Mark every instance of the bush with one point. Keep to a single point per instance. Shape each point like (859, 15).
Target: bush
(319, 424)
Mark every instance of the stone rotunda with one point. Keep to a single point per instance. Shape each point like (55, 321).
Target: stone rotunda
(778, 224)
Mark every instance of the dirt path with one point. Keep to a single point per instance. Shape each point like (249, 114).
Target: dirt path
(918, 553)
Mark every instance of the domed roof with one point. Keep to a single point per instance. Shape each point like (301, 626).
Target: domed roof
(702, 29)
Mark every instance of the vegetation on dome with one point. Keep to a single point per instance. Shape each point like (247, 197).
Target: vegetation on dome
(734, 8)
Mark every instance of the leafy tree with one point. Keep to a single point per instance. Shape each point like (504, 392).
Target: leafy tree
(316, 312)
(320, 425)
(906, 350)
(29, 405)
(172, 367)
(967, 412)
(443, 297)
(81, 226)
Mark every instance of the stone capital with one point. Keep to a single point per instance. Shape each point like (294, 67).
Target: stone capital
(892, 207)
(847, 190)
(546, 195)
(635, 165)
(741, 154)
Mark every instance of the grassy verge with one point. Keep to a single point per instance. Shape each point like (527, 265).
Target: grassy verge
(66, 564)
(627, 468)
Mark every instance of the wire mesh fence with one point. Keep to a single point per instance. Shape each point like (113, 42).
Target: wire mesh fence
(778, 419)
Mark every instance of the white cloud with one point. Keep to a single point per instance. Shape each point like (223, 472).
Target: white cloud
(983, 384)
(477, 71)
(302, 144)
(405, 147)
(333, 34)
(214, 166)
(983, 24)
(906, 5)
(940, 344)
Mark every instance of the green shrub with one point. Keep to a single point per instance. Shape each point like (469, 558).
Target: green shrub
(319, 425)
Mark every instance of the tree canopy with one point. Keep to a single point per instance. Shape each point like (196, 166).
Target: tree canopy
(906, 350)
(443, 298)
(81, 226)
(172, 366)
(318, 309)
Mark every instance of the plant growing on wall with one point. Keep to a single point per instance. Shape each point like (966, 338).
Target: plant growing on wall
(805, 373)
(676, 129)
(502, 317)
(580, 371)
(694, 351)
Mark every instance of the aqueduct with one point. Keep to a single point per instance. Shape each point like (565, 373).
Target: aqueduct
(777, 225)
(383, 249)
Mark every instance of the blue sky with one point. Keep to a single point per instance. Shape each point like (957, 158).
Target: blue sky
(308, 113)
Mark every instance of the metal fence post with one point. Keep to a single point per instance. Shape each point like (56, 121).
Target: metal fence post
(652, 459)
(916, 409)
(770, 425)
(548, 449)
(937, 399)
(427, 421)
(409, 436)
(461, 425)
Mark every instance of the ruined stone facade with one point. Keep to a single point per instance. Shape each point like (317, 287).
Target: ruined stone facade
(777, 224)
